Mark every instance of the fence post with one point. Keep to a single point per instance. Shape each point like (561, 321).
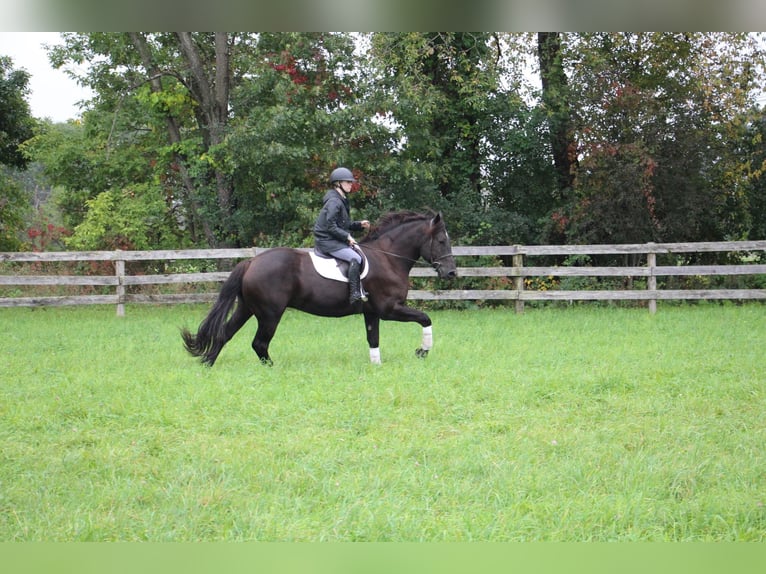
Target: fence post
(651, 283)
(518, 264)
(119, 271)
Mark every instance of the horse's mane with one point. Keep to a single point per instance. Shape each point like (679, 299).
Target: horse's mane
(394, 219)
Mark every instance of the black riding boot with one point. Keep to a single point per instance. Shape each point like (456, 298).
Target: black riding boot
(354, 283)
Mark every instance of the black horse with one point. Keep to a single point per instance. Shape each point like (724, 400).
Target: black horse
(274, 280)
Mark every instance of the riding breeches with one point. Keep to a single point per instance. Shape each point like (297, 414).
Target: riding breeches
(347, 254)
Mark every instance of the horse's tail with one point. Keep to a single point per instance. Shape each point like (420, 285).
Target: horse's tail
(211, 335)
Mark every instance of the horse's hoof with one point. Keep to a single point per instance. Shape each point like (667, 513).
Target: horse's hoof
(421, 353)
(267, 362)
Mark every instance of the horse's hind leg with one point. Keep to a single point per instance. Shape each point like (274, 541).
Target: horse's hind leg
(238, 318)
(267, 326)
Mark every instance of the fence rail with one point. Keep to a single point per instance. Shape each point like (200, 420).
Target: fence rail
(517, 274)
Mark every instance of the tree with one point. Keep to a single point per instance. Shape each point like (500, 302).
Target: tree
(207, 80)
(178, 84)
(16, 121)
(654, 113)
(556, 101)
(16, 126)
(754, 148)
(633, 137)
(438, 84)
(250, 124)
(87, 160)
(13, 205)
(470, 137)
(520, 183)
(519, 175)
(299, 115)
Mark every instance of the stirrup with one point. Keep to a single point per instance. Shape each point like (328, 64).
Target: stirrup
(356, 297)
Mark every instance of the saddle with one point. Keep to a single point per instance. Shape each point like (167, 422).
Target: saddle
(336, 269)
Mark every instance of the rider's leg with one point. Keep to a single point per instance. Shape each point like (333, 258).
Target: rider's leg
(354, 271)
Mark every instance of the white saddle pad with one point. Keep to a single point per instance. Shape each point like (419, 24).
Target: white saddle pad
(332, 268)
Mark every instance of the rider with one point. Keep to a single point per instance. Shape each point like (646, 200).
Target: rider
(332, 231)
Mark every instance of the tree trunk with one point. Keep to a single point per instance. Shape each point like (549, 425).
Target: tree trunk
(554, 83)
(174, 133)
(213, 97)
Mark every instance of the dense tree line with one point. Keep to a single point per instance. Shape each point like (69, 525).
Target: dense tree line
(16, 126)
(226, 139)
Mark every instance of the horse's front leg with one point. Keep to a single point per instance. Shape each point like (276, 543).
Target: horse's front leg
(372, 323)
(401, 312)
(427, 343)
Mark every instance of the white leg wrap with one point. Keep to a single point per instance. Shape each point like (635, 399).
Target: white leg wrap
(375, 355)
(428, 338)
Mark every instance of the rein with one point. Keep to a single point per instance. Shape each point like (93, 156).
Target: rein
(434, 260)
(387, 253)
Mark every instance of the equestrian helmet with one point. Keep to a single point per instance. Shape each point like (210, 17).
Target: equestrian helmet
(341, 174)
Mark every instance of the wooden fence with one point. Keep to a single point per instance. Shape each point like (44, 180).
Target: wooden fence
(518, 281)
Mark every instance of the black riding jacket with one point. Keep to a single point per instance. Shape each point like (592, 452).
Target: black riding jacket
(334, 224)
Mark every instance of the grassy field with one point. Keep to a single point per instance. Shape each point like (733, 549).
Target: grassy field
(586, 423)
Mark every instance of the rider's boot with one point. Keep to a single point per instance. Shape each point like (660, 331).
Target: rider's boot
(354, 283)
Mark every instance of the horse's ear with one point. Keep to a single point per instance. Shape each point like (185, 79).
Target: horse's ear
(436, 220)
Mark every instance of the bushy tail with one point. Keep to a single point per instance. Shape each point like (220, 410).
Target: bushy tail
(211, 335)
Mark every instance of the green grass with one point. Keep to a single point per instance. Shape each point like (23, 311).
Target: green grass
(587, 423)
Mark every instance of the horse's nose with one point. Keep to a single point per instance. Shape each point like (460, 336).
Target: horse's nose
(452, 274)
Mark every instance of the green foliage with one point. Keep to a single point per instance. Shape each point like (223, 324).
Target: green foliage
(151, 119)
(754, 144)
(665, 137)
(130, 218)
(654, 111)
(464, 135)
(438, 86)
(520, 181)
(617, 202)
(294, 121)
(16, 121)
(13, 207)
(16, 126)
(82, 160)
(62, 151)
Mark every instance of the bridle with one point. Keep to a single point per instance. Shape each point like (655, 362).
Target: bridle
(435, 261)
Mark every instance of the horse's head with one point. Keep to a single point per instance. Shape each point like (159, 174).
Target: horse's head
(437, 249)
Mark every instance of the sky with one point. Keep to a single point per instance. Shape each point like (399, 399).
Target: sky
(53, 94)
